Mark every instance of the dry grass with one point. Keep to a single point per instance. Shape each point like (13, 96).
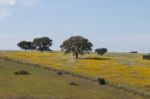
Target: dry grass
(120, 68)
(45, 84)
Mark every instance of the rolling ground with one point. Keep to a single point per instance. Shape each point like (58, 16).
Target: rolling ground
(45, 84)
(123, 69)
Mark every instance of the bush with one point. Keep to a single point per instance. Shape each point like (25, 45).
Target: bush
(21, 72)
(134, 52)
(73, 84)
(146, 57)
(101, 81)
(59, 73)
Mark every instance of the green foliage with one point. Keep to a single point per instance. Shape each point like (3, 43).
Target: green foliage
(59, 73)
(42, 43)
(21, 72)
(46, 84)
(101, 81)
(73, 83)
(101, 51)
(26, 45)
(134, 52)
(146, 56)
(77, 45)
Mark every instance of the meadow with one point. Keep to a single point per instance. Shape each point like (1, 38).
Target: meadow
(124, 69)
(42, 83)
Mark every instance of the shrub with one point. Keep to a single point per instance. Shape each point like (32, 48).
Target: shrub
(134, 52)
(21, 72)
(73, 84)
(101, 81)
(146, 56)
(59, 73)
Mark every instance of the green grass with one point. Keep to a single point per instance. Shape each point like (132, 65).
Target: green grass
(119, 68)
(45, 84)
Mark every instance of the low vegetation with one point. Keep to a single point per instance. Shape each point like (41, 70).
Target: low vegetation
(73, 83)
(45, 84)
(21, 72)
(101, 81)
(134, 52)
(124, 69)
(59, 73)
(146, 56)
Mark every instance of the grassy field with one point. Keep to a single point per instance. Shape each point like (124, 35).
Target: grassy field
(126, 69)
(45, 84)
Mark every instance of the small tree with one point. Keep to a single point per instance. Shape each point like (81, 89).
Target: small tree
(42, 44)
(26, 45)
(101, 51)
(77, 45)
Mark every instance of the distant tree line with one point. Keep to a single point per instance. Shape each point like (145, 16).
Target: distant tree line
(77, 45)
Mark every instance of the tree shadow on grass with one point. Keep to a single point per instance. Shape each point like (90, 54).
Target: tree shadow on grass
(94, 58)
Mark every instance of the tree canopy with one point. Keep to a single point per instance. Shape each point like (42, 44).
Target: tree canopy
(26, 45)
(101, 51)
(77, 45)
(42, 43)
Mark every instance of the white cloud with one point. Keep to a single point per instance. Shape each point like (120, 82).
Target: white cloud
(27, 3)
(4, 11)
(7, 2)
(6, 5)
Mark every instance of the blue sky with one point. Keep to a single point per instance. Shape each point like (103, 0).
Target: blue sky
(119, 25)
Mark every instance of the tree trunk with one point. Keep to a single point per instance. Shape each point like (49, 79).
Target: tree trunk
(77, 56)
(42, 49)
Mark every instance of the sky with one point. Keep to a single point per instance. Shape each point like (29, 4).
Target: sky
(118, 25)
